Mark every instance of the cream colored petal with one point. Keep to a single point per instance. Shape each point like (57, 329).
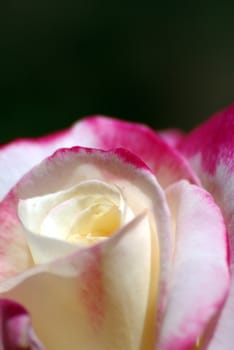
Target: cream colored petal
(32, 211)
(96, 298)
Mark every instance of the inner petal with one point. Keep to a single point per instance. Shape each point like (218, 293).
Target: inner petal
(100, 219)
(86, 213)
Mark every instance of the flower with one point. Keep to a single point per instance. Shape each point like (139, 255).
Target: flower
(113, 236)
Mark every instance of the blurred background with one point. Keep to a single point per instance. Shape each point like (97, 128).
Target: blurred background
(165, 64)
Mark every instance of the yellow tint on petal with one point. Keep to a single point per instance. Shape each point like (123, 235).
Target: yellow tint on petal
(85, 214)
(99, 220)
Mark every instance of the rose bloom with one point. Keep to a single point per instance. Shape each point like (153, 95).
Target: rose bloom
(116, 237)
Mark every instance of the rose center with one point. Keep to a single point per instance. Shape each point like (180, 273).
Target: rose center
(84, 214)
(87, 219)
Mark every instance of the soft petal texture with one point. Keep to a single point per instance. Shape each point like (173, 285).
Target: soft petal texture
(16, 332)
(59, 222)
(17, 157)
(164, 161)
(119, 167)
(199, 278)
(137, 184)
(88, 299)
(14, 253)
(172, 136)
(210, 150)
(91, 206)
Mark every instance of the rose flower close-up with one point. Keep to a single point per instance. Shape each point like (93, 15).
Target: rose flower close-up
(114, 236)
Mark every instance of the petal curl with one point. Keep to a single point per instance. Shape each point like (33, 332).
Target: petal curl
(210, 151)
(120, 167)
(16, 332)
(199, 279)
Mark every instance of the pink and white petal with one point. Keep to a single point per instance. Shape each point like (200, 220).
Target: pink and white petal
(18, 157)
(118, 167)
(210, 150)
(200, 278)
(16, 332)
(173, 137)
(165, 162)
(14, 253)
(102, 293)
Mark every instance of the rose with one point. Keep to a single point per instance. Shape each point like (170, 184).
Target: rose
(103, 251)
(189, 294)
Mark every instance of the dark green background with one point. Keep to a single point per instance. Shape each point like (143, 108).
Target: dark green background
(165, 64)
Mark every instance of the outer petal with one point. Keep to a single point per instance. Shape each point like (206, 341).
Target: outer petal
(97, 298)
(172, 136)
(14, 253)
(200, 277)
(164, 161)
(16, 332)
(18, 157)
(210, 150)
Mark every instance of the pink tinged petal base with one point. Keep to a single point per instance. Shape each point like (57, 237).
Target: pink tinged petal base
(199, 279)
(96, 298)
(16, 331)
(91, 279)
(210, 149)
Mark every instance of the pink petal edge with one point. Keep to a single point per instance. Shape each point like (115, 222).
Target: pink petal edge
(16, 329)
(19, 156)
(164, 161)
(210, 151)
(199, 279)
(114, 166)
